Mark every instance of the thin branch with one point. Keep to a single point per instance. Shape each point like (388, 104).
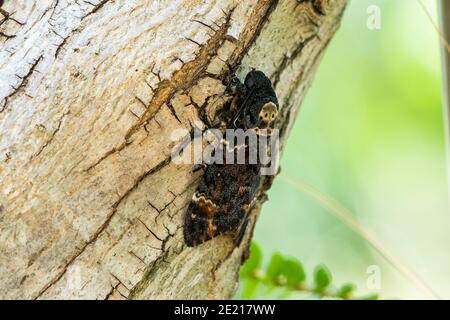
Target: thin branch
(435, 26)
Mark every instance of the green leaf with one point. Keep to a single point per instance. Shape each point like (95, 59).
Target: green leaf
(285, 271)
(322, 278)
(275, 267)
(293, 270)
(254, 261)
(345, 292)
(249, 288)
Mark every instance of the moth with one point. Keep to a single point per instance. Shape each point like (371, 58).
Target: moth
(226, 192)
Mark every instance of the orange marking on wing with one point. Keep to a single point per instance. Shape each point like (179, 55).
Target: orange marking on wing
(211, 229)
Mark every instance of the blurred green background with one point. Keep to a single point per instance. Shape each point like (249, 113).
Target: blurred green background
(371, 136)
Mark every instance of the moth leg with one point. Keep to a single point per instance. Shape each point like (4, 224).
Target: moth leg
(241, 110)
(235, 86)
(234, 104)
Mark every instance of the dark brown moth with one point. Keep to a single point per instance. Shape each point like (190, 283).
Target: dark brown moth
(226, 192)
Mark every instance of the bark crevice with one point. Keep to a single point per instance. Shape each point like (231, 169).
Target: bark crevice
(103, 227)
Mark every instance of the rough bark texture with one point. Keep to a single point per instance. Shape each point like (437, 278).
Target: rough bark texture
(90, 91)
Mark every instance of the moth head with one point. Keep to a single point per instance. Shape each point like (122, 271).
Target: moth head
(268, 114)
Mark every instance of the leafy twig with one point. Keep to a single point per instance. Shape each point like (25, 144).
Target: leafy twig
(288, 274)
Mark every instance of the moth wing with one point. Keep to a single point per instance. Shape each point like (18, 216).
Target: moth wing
(222, 206)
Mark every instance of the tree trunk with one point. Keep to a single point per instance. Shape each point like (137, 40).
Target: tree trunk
(91, 206)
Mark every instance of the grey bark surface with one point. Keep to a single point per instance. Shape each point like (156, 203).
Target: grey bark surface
(91, 205)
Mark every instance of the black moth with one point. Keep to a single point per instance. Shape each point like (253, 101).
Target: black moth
(225, 194)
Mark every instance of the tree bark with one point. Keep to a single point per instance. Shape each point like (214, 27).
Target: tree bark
(91, 207)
